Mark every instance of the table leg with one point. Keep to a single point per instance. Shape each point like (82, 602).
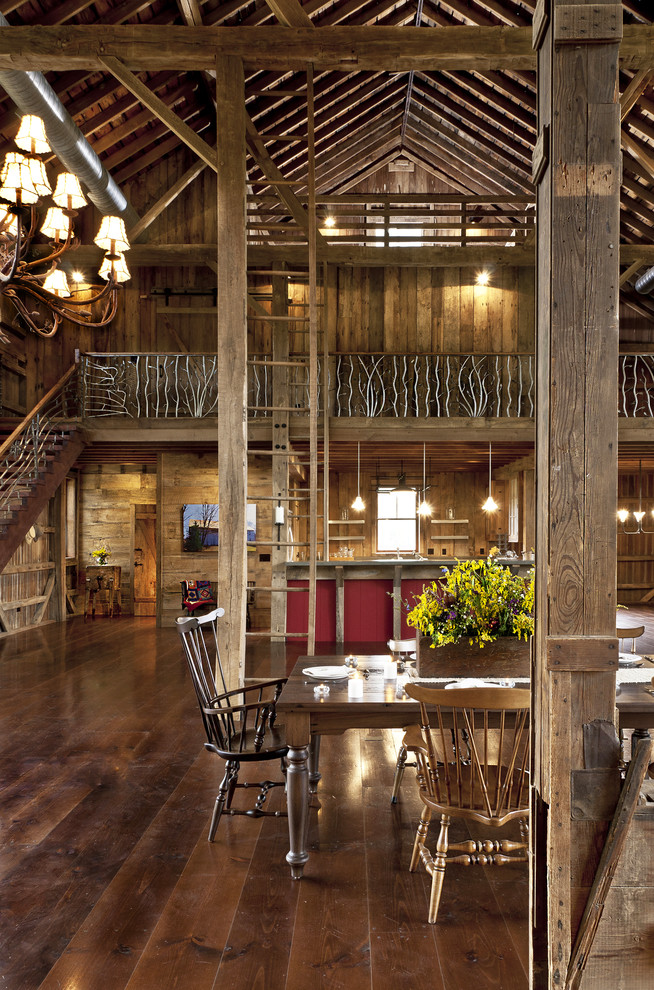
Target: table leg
(297, 787)
(314, 760)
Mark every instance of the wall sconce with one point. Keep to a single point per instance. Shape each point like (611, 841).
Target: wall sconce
(490, 505)
(279, 515)
(639, 515)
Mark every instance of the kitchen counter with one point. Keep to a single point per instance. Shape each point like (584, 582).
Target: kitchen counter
(359, 599)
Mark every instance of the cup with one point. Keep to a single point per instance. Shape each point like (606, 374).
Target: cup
(355, 685)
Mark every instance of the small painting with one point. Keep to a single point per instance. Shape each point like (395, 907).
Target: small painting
(200, 525)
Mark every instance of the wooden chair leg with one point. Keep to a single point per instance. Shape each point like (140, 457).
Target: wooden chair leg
(421, 836)
(224, 797)
(438, 869)
(399, 773)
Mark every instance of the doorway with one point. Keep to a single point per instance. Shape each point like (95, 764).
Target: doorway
(145, 560)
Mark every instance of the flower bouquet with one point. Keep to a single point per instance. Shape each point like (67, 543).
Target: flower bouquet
(477, 600)
(101, 554)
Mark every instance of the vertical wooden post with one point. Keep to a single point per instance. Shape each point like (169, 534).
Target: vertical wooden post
(280, 437)
(577, 168)
(313, 368)
(232, 363)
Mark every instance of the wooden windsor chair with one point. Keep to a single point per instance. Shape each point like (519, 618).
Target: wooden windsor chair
(240, 724)
(486, 782)
(402, 648)
(629, 632)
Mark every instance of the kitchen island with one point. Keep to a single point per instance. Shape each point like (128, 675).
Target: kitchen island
(360, 599)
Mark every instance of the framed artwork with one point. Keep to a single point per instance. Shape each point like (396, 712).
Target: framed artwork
(200, 526)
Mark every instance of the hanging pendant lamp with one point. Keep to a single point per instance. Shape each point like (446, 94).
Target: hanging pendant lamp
(424, 508)
(490, 505)
(358, 505)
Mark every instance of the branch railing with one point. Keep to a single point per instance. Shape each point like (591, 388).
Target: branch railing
(375, 384)
(24, 453)
(434, 385)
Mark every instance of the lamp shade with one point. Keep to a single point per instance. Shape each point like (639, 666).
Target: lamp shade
(31, 135)
(56, 224)
(8, 221)
(16, 177)
(68, 192)
(112, 236)
(39, 177)
(119, 266)
(57, 283)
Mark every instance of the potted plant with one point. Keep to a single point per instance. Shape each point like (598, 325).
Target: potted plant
(479, 610)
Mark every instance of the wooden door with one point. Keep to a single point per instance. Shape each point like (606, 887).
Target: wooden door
(145, 560)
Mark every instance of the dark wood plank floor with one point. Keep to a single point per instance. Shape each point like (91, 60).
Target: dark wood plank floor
(108, 882)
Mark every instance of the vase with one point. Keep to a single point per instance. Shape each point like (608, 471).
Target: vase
(506, 656)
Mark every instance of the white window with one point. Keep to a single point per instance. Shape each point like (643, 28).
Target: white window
(513, 510)
(396, 520)
(71, 517)
(401, 236)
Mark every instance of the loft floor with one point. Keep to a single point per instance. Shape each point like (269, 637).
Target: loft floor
(108, 881)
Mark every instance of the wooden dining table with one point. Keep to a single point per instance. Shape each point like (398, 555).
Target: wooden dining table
(308, 714)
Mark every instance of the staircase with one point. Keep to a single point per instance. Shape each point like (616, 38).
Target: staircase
(34, 460)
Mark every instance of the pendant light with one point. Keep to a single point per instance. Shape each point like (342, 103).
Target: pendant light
(424, 509)
(358, 505)
(490, 505)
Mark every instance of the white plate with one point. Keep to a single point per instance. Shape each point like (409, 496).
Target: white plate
(327, 673)
(629, 659)
(472, 682)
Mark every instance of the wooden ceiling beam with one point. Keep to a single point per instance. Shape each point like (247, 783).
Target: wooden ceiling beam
(136, 232)
(160, 110)
(468, 119)
(190, 11)
(469, 154)
(290, 13)
(260, 153)
(638, 84)
(640, 152)
(334, 134)
(178, 48)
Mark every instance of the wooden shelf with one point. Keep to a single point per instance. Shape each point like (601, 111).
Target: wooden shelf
(450, 522)
(345, 522)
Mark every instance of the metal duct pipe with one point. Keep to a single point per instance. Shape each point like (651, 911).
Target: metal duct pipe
(646, 282)
(32, 94)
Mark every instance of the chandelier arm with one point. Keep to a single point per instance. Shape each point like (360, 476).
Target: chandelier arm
(5, 279)
(48, 259)
(24, 313)
(108, 312)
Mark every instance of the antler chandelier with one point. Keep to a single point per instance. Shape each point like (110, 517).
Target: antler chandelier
(36, 286)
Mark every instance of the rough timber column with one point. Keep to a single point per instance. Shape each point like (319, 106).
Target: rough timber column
(577, 167)
(232, 363)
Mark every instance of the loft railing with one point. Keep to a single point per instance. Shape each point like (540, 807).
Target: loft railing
(149, 386)
(24, 453)
(636, 385)
(155, 386)
(435, 385)
(397, 220)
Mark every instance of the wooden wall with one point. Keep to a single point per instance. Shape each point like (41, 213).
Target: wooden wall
(463, 492)
(30, 576)
(184, 478)
(108, 494)
(635, 553)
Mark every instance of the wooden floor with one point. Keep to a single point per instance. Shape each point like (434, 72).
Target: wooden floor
(107, 878)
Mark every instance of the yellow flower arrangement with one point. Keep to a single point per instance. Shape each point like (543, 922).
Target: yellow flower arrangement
(101, 554)
(480, 600)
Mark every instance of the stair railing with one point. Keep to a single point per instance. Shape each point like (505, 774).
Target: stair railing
(23, 454)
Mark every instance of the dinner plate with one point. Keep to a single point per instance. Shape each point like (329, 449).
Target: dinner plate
(327, 673)
(472, 682)
(629, 659)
